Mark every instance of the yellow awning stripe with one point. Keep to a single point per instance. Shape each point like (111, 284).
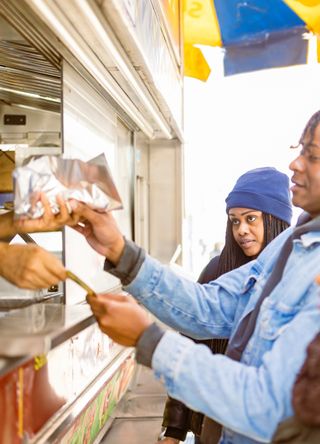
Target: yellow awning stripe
(308, 11)
(200, 23)
(195, 65)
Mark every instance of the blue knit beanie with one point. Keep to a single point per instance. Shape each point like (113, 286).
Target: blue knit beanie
(263, 189)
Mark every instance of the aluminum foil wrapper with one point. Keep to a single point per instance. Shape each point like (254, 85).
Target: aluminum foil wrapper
(89, 182)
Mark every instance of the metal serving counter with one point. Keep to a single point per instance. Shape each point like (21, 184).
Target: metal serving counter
(58, 371)
(37, 329)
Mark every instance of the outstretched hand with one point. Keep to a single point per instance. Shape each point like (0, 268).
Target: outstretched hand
(30, 266)
(101, 232)
(120, 317)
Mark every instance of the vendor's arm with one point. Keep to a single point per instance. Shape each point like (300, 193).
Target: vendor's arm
(9, 226)
(248, 400)
(30, 266)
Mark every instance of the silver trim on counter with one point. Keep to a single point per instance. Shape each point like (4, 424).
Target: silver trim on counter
(55, 428)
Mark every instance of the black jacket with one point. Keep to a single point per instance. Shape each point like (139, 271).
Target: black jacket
(178, 418)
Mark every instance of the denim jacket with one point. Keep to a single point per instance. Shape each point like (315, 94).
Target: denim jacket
(249, 397)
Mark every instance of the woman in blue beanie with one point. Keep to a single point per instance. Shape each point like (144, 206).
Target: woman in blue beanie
(258, 209)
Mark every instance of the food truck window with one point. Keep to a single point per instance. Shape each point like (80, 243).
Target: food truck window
(124, 173)
(90, 128)
(30, 124)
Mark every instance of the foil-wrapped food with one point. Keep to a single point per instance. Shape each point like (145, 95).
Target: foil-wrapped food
(89, 182)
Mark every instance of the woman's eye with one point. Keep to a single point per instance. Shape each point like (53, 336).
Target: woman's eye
(313, 158)
(252, 218)
(235, 222)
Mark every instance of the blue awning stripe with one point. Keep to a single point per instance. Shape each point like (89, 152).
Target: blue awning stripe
(281, 49)
(252, 19)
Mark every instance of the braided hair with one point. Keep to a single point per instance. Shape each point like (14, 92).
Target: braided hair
(311, 126)
(232, 255)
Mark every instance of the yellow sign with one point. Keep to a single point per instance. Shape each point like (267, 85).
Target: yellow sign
(39, 361)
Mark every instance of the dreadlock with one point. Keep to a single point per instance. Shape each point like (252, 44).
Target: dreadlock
(232, 255)
(311, 126)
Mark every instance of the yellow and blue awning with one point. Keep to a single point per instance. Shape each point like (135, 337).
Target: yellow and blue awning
(256, 34)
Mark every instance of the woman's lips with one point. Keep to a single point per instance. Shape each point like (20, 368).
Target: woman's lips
(246, 243)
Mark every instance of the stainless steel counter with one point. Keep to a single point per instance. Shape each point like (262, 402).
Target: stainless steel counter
(38, 328)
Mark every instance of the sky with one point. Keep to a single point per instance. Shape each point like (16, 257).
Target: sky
(233, 124)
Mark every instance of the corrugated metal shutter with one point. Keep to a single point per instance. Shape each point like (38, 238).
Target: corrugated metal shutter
(30, 72)
(18, 15)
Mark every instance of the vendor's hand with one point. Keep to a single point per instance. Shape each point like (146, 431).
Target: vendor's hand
(49, 221)
(101, 232)
(30, 266)
(120, 317)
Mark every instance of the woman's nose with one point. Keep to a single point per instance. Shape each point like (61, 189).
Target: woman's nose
(243, 228)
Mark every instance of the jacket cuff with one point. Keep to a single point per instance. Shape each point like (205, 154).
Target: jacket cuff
(147, 343)
(129, 264)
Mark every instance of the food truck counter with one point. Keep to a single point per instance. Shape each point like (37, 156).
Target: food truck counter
(37, 329)
(55, 367)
